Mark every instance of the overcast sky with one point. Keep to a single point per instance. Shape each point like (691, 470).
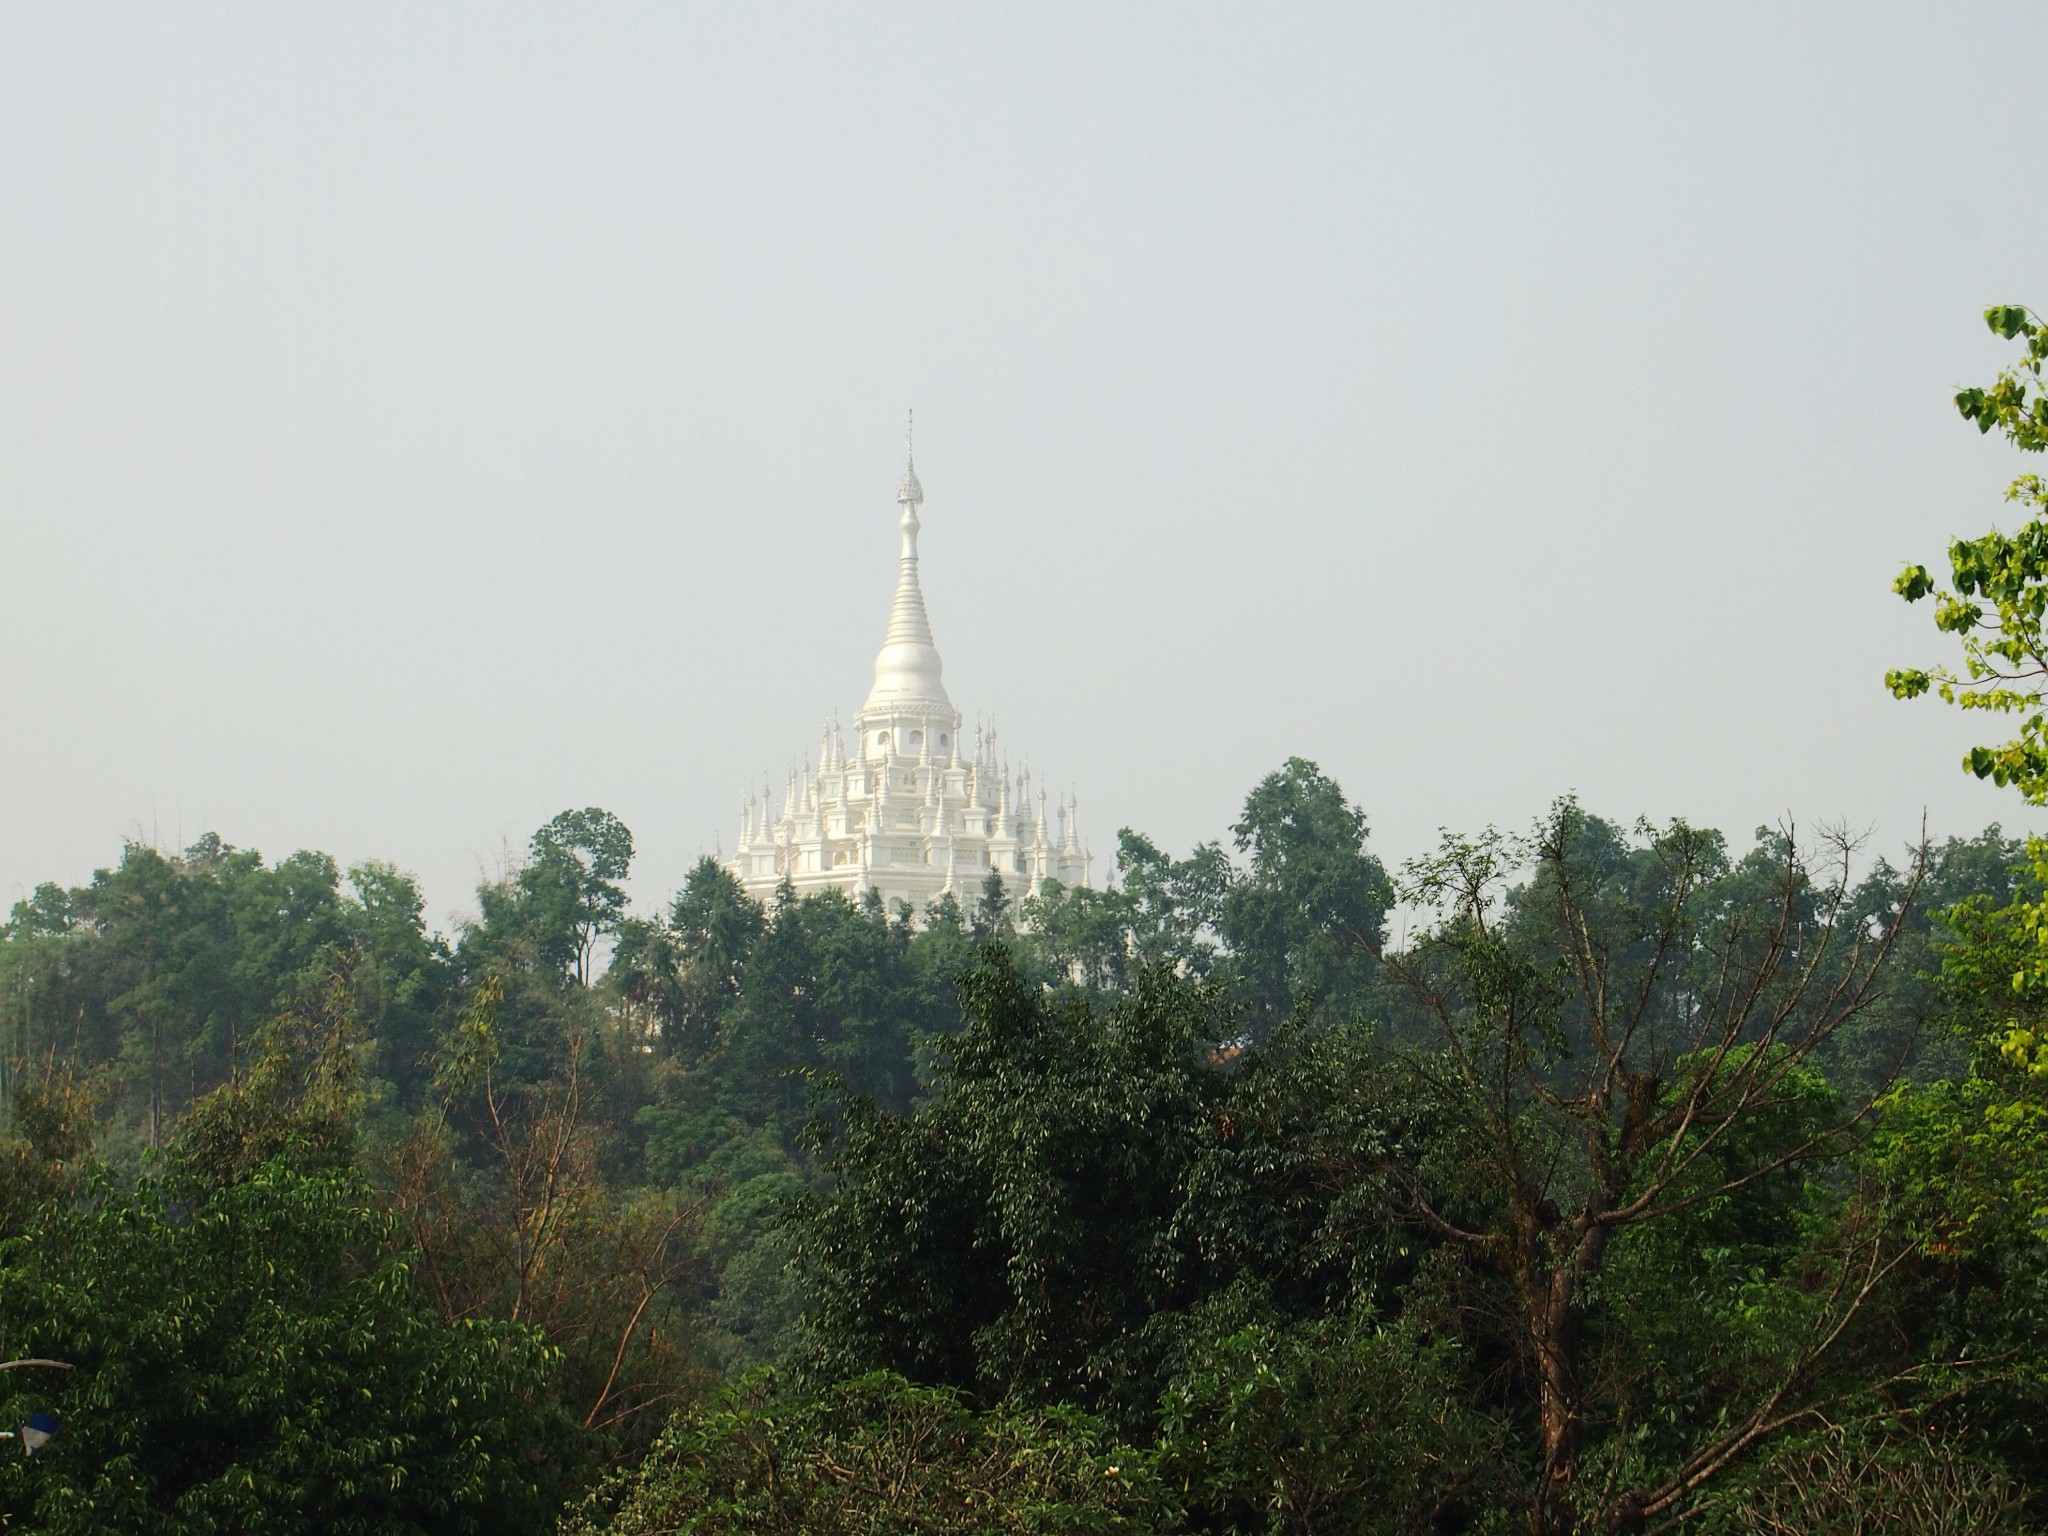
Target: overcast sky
(416, 420)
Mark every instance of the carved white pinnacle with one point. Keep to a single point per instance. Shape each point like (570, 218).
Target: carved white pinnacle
(910, 493)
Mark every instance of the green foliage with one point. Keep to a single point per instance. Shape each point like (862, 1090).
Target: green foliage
(1016, 1234)
(298, 1098)
(749, 1000)
(1998, 588)
(2008, 405)
(42, 1163)
(402, 977)
(1644, 1186)
(257, 1358)
(1299, 927)
(1337, 1427)
(1967, 1155)
(164, 969)
(1175, 906)
(1307, 919)
(1082, 935)
(993, 910)
(1162, 912)
(1197, 1145)
(1716, 1305)
(1082, 1181)
(754, 1317)
(827, 987)
(685, 973)
(503, 1189)
(549, 915)
(876, 1456)
(1910, 1031)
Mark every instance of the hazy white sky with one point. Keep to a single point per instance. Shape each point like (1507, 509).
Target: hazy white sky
(415, 420)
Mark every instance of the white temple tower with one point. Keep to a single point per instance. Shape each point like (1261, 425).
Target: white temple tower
(907, 808)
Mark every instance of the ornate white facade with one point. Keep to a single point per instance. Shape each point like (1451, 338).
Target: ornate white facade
(911, 811)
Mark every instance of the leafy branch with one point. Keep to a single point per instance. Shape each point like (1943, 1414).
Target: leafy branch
(1998, 594)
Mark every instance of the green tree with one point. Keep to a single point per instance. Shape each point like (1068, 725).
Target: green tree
(503, 1193)
(571, 881)
(1998, 588)
(1010, 1236)
(645, 979)
(993, 912)
(1910, 1028)
(164, 966)
(1080, 936)
(716, 926)
(1174, 906)
(1630, 1036)
(1308, 916)
(167, 967)
(1971, 1152)
(404, 976)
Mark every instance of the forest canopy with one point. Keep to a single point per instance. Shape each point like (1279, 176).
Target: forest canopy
(1303, 1227)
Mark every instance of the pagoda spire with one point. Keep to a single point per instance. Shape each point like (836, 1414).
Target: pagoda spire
(907, 668)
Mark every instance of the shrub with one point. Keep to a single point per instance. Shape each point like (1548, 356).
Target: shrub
(1333, 1427)
(877, 1455)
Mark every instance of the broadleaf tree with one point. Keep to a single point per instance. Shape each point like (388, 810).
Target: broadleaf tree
(1997, 595)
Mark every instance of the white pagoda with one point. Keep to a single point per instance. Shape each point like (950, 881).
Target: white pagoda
(912, 812)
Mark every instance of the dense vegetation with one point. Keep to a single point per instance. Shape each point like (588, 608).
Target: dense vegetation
(1647, 1180)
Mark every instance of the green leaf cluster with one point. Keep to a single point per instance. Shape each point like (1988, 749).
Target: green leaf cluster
(1998, 582)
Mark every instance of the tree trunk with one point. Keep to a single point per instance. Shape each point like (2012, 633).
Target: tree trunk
(1549, 1286)
(1554, 1331)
